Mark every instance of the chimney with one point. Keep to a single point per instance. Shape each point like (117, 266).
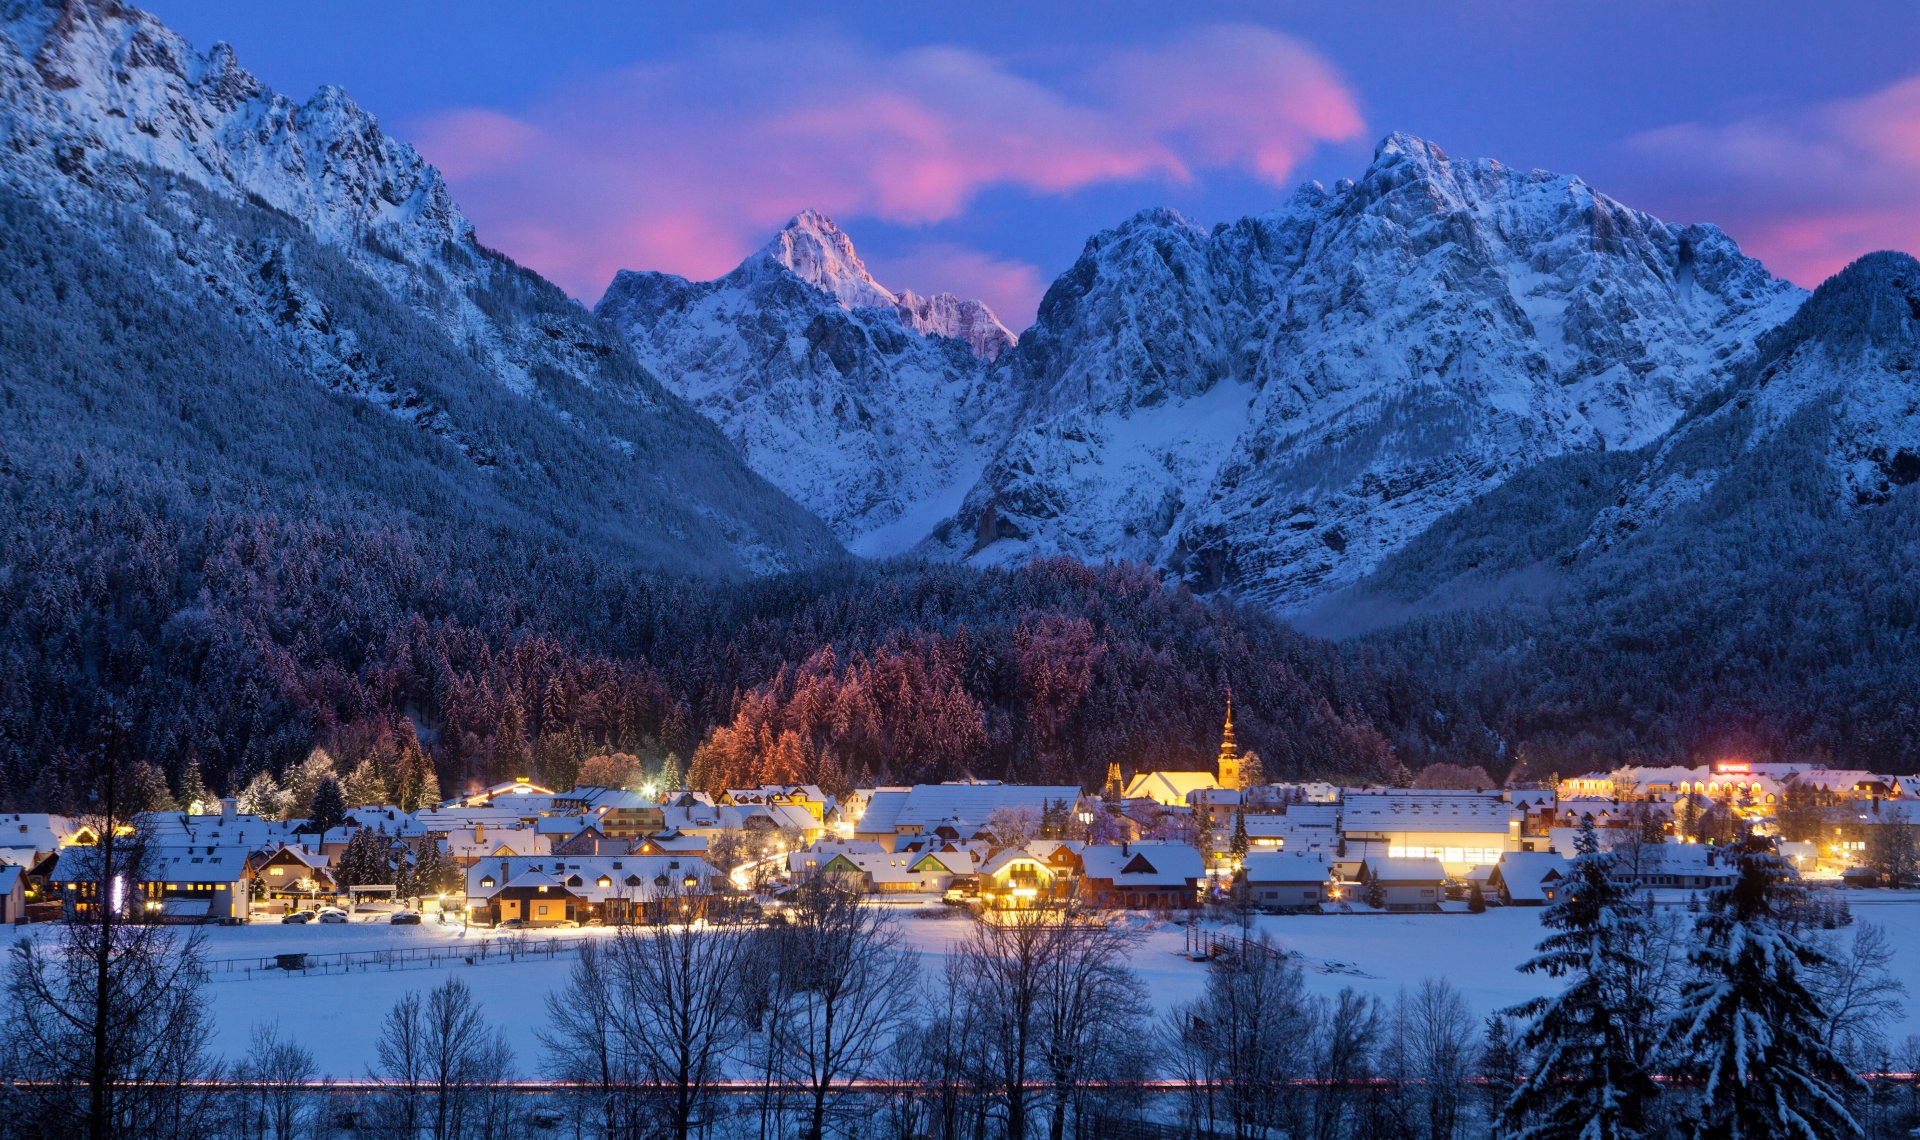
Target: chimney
(229, 808)
(479, 833)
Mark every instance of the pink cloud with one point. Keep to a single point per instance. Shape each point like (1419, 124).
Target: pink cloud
(1806, 191)
(688, 165)
(1011, 288)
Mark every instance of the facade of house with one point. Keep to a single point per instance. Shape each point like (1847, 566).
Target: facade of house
(1528, 878)
(1459, 829)
(167, 883)
(609, 889)
(892, 816)
(1141, 876)
(1403, 884)
(283, 872)
(1288, 880)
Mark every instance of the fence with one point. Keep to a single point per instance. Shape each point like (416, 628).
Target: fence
(510, 948)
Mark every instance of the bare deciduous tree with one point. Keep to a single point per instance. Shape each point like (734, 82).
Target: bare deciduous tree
(433, 1051)
(844, 986)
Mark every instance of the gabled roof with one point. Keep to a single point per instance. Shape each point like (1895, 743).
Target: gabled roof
(1463, 812)
(1003, 859)
(1527, 874)
(1169, 787)
(1143, 864)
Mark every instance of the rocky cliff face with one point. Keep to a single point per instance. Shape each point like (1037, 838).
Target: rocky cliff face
(105, 115)
(1834, 390)
(1274, 405)
(867, 406)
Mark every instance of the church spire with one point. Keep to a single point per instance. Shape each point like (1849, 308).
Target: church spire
(1229, 761)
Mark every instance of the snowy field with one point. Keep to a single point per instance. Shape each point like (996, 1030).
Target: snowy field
(338, 1015)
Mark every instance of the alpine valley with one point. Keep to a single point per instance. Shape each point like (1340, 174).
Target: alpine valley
(1452, 462)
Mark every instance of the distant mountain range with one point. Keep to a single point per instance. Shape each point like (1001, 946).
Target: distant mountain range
(1603, 483)
(1270, 408)
(358, 314)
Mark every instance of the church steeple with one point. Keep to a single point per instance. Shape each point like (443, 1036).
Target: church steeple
(1228, 764)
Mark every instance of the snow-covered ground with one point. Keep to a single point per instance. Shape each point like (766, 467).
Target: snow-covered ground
(337, 1015)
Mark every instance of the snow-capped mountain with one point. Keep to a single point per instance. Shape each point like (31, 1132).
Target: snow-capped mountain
(343, 248)
(867, 406)
(1835, 389)
(1274, 405)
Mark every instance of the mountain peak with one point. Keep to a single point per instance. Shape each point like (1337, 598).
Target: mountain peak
(1412, 148)
(819, 253)
(814, 248)
(1874, 301)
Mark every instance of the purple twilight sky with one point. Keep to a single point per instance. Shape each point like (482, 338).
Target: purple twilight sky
(974, 148)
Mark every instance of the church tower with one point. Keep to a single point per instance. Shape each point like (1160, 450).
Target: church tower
(1229, 762)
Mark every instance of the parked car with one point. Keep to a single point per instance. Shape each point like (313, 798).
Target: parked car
(404, 918)
(297, 916)
(333, 914)
(514, 924)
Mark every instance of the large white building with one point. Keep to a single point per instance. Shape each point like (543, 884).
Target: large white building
(1459, 829)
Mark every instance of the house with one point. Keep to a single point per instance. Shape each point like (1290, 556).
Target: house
(809, 797)
(1302, 827)
(588, 840)
(28, 837)
(293, 872)
(893, 814)
(1528, 878)
(617, 812)
(1689, 866)
(465, 848)
(611, 889)
(172, 883)
(1459, 829)
(13, 894)
(1288, 880)
(1016, 878)
(1403, 884)
(1141, 876)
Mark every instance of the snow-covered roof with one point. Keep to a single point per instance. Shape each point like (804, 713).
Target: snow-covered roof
(1169, 787)
(1143, 864)
(1463, 812)
(10, 878)
(240, 828)
(595, 878)
(928, 805)
(1527, 874)
(1287, 867)
(495, 840)
(1405, 870)
(38, 830)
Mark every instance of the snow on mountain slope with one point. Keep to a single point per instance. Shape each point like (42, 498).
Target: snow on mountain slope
(105, 113)
(868, 407)
(1838, 384)
(1273, 406)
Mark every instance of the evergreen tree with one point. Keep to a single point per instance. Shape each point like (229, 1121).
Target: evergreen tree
(673, 776)
(1476, 898)
(1253, 772)
(329, 807)
(150, 789)
(194, 796)
(429, 785)
(1748, 1029)
(365, 786)
(365, 860)
(1239, 842)
(1591, 1079)
(262, 797)
(431, 872)
(303, 780)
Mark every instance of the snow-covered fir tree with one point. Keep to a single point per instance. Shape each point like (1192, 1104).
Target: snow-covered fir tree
(1590, 1078)
(1748, 1029)
(262, 796)
(365, 786)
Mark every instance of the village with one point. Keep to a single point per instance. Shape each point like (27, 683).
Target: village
(517, 855)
